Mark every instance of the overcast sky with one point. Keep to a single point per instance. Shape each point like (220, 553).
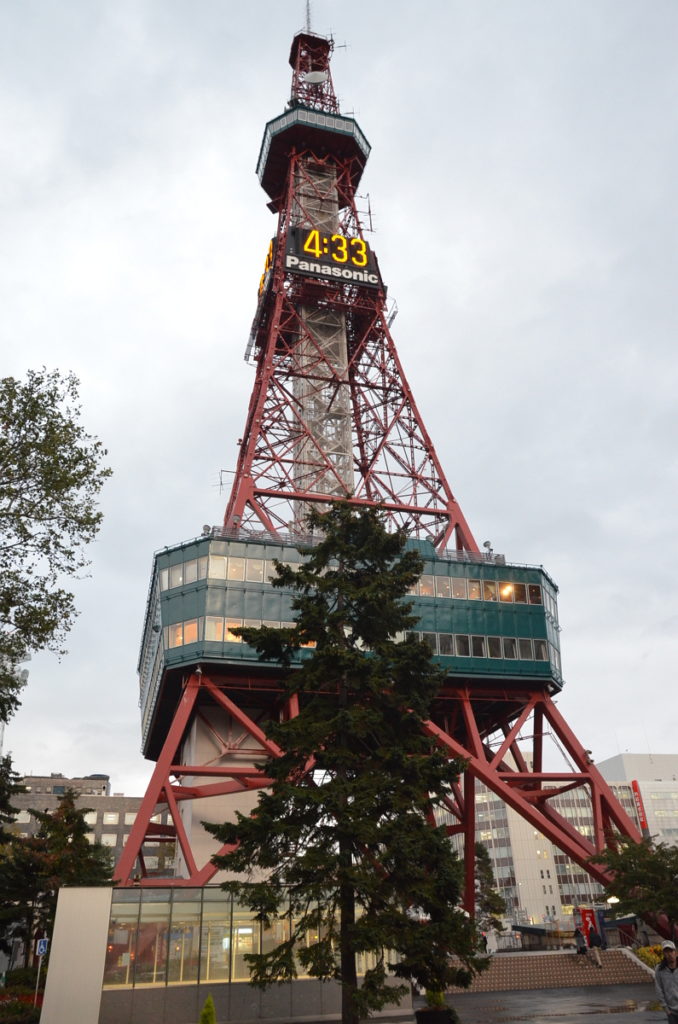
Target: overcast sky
(523, 192)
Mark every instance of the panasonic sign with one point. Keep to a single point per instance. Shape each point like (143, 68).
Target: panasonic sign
(352, 275)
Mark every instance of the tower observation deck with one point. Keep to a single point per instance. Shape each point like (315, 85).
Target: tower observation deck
(331, 416)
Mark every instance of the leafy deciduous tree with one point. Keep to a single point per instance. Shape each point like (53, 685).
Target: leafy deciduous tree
(645, 878)
(50, 476)
(341, 838)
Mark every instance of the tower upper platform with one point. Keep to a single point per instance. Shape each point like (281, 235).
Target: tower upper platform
(312, 121)
(488, 623)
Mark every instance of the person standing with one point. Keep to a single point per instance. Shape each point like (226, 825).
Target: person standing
(595, 943)
(580, 943)
(666, 981)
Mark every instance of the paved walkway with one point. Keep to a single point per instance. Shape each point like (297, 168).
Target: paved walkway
(614, 1004)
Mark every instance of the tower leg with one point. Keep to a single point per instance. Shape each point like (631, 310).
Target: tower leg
(514, 772)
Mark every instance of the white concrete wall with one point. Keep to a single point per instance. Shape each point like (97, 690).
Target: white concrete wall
(77, 956)
(215, 739)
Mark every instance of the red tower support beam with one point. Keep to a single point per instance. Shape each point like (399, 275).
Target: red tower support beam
(459, 727)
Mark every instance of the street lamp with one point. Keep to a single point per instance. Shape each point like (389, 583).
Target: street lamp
(611, 902)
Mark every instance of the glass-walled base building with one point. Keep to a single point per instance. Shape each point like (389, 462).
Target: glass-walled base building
(153, 955)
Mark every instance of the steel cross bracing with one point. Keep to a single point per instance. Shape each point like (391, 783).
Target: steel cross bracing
(284, 461)
(463, 720)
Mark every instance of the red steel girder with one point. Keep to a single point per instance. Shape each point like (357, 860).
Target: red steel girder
(472, 714)
(167, 790)
(394, 463)
(466, 717)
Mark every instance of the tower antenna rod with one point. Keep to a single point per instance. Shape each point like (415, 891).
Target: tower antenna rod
(308, 15)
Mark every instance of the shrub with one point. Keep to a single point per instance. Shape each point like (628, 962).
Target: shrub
(650, 955)
(15, 1011)
(208, 1014)
(24, 977)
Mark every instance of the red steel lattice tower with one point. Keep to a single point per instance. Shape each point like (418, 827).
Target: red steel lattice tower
(331, 416)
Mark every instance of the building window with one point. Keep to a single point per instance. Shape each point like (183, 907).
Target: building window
(111, 818)
(130, 817)
(109, 839)
(426, 586)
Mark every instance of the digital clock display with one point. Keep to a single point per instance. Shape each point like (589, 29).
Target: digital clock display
(349, 258)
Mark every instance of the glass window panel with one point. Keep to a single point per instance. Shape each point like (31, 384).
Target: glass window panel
(164, 579)
(431, 639)
(230, 636)
(176, 575)
(478, 646)
(534, 591)
(509, 647)
(91, 818)
(540, 651)
(255, 570)
(494, 646)
(191, 571)
(217, 567)
(150, 961)
(411, 635)
(489, 590)
(214, 628)
(459, 589)
(191, 631)
(520, 593)
(463, 647)
(506, 592)
(426, 586)
(277, 933)
(474, 591)
(525, 649)
(111, 817)
(271, 623)
(130, 817)
(236, 568)
(122, 934)
(109, 839)
(269, 571)
(413, 590)
(202, 567)
(252, 623)
(443, 586)
(183, 957)
(245, 934)
(446, 643)
(176, 634)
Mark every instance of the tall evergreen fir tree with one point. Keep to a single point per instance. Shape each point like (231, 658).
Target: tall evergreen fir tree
(10, 785)
(342, 840)
(33, 869)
